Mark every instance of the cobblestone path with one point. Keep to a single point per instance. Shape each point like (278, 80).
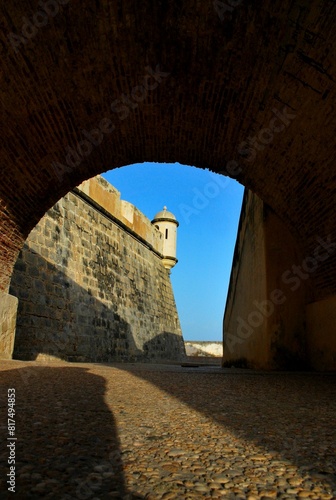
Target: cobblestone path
(125, 431)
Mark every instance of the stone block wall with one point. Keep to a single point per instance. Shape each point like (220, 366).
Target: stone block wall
(91, 284)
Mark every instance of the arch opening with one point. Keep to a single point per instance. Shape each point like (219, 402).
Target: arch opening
(57, 263)
(258, 329)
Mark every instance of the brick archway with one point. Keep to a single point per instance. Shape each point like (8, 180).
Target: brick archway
(187, 84)
(247, 90)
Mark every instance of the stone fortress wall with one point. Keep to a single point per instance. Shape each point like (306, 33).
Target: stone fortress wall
(91, 284)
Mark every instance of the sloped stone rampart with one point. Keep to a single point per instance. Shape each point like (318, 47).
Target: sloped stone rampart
(90, 289)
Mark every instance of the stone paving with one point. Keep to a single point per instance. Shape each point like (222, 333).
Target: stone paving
(90, 431)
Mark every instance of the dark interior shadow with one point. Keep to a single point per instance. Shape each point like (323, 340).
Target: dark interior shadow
(290, 415)
(67, 441)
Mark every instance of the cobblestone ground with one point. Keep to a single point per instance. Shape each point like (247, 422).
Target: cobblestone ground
(91, 431)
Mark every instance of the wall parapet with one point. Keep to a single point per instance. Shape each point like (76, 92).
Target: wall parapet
(107, 199)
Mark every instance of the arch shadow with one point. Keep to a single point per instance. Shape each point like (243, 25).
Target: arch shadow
(285, 414)
(67, 439)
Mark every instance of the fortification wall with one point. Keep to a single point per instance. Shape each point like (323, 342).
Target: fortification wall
(264, 320)
(91, 284)
(107, 198)
(204, 348)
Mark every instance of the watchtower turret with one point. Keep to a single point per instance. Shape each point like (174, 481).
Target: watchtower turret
(167, 224)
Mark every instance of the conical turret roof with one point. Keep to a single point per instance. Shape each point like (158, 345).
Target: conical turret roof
(164, 215)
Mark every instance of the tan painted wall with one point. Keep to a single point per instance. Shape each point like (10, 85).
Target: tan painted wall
(247, 285)
(321, 334)
(264, 321)
(288, 292)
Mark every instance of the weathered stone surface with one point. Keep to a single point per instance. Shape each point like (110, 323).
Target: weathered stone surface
(8, 310)
(89, 290)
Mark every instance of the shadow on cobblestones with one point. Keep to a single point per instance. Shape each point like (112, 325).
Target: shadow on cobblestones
(67, 442)
(86, 431)
(289, 416)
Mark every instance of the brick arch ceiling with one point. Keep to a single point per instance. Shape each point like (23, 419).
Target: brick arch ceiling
(230, 71)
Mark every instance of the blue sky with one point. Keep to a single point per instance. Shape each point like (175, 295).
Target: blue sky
(207, 207)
